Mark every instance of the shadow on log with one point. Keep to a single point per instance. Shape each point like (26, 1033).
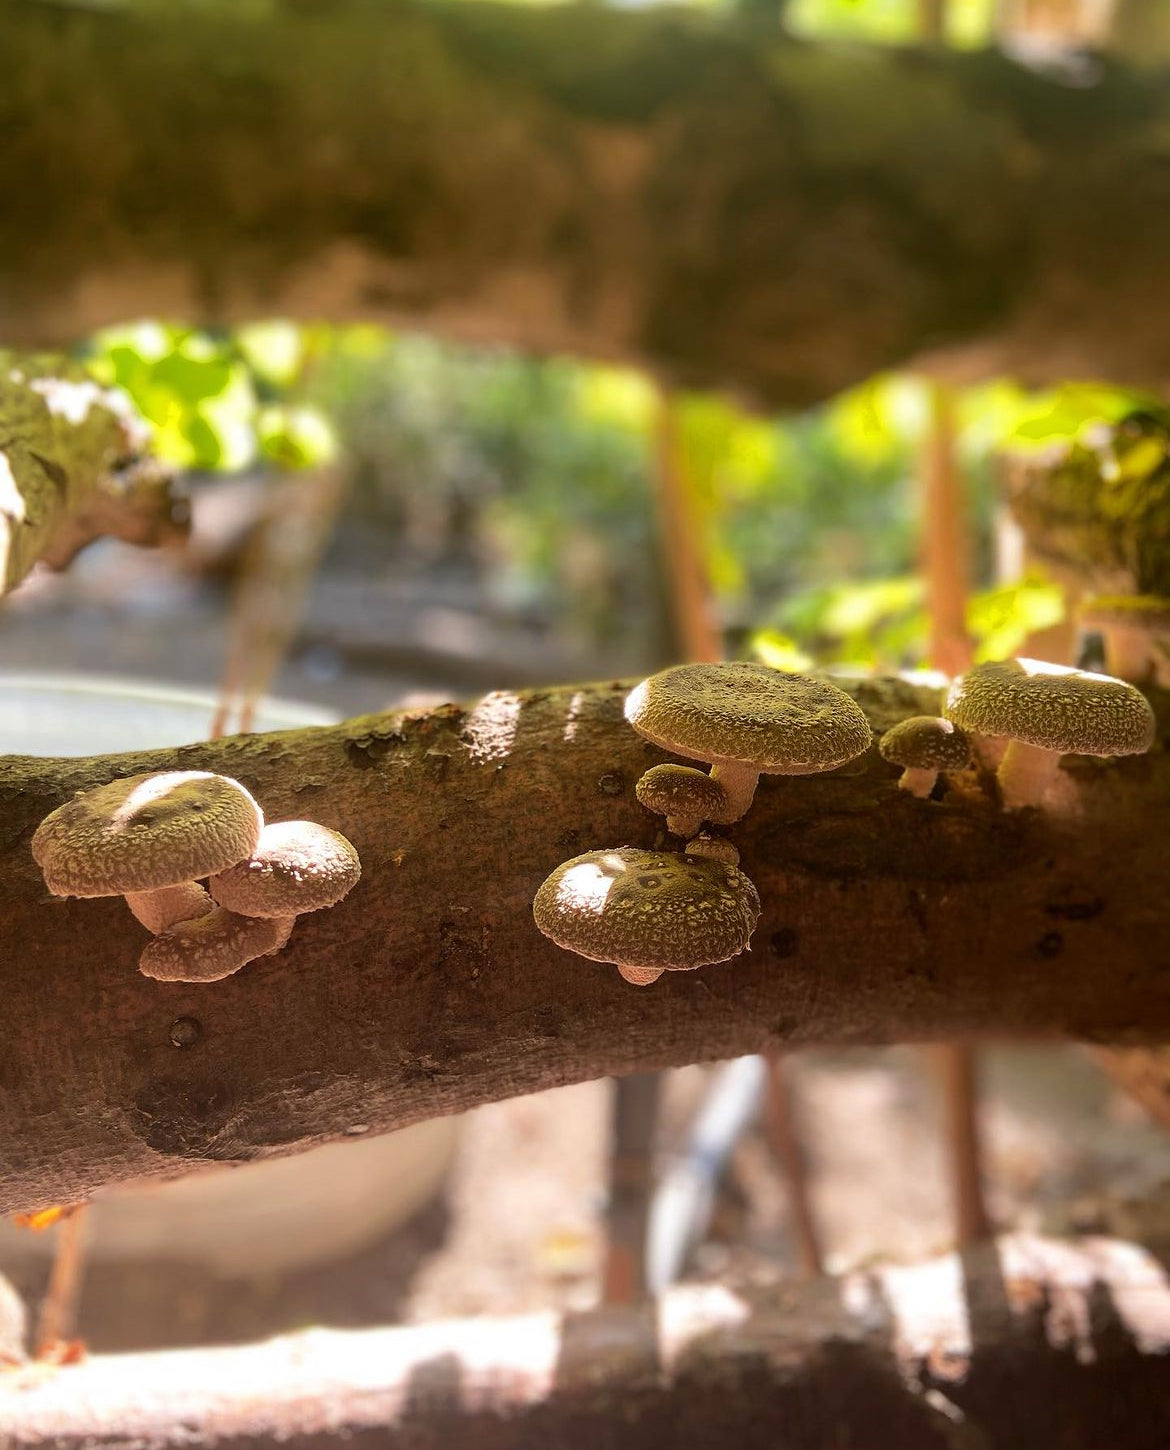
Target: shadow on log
(1022, 1342)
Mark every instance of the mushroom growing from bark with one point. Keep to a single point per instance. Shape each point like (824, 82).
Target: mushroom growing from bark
(296, 866)
(648, 912)
(746, 720)
(1136, 633)
(145, 835)
(1046, 711)
(923, 746)
(212, 946)
(685, 796)
(714, 847)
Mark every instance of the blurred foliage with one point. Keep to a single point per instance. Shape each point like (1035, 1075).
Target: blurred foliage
(212, 398)
(537, 477)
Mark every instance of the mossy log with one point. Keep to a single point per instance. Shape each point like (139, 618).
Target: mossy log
(429, 990)
(1027, 1341)
(661, 187)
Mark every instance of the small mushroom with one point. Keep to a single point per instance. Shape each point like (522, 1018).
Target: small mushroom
(745, 720)
(212, 946)
(924, 745)
(146, 833)
(296, 866)
(716, 848)
(648, 912)
(1136, 633)
(685, 796)
(1047, 711)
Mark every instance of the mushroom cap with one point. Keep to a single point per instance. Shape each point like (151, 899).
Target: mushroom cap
(749, 714)
(1052, 707)
(718, 848)
(297, 866)
(146, 831)
(212, 946)
(680, 790)
(1129, 611)
(648, 908)
(926, 742)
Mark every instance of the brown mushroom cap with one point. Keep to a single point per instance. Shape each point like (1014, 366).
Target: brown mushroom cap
(718, 848)
(680, 790)
(297, 866)
(146, 831)
(1053, 708)
(211, 947)
(926, 742)
(648, 908)
(770, 720)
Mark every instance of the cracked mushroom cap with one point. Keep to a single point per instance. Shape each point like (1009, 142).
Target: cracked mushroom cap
(146, 831)
(926, 742)
(648, 908)
(297, 866)
(212, 946)
(773, 721)
(1053, 708)
(680, 790)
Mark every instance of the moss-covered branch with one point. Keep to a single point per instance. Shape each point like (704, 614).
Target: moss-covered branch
(731, 207)
(74, 464)
(428, 990)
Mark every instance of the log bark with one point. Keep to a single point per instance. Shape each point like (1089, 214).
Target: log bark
(429, 990)
(711, 198)
(1025, 1342)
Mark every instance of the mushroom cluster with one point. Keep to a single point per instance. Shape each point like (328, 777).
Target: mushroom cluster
(153, 838)
(655, 912)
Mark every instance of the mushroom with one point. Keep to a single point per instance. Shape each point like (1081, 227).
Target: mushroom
(145, 834)
(746, 720)
(923, 745)
(714, 847)
(212, 946)
(296, 866)
(1047, 711)
(1136, 634)
(158, 910)
(648, 912)
(685, 796)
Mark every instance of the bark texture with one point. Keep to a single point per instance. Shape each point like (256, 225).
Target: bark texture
(1024, 1342)
(729, 206)
(74, 464)
(428, 990)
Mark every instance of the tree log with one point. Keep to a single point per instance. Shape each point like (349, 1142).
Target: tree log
(429, 990)
(1025, 1342)
(734, 208)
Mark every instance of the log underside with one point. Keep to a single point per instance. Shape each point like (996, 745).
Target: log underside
(1021, 1343)
(710, 199)
(428, 991)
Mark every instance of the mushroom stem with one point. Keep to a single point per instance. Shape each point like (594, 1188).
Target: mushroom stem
(640, 976)
(168, 905)
(739, 786)
(918, 780)
(1025, 775)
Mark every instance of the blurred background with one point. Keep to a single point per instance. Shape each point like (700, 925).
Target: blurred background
(381, 519)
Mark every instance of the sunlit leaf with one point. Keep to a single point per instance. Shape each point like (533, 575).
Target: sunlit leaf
(1001, 619)
(780, 651)
(296, 437)
(273, 350)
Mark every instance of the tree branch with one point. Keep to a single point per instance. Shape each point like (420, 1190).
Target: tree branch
(74, 464)
(429, 990)
(732, 207)
(1027, 1341)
